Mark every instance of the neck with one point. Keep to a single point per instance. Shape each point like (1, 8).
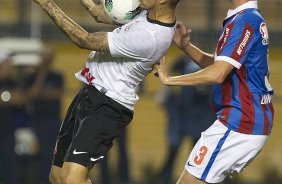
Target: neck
(237, 3)
(162, 14)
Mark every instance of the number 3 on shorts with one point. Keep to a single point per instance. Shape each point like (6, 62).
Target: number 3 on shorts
(200, 157)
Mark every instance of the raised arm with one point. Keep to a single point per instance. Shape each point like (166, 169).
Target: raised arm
(97, 41)
(96, 10)
(182, 41)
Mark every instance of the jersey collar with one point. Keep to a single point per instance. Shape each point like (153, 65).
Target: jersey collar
(160, 23)
(250, 4)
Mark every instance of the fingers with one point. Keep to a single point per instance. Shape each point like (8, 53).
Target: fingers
(181, 27)
(158, 65)
(97, 1)
(162, 61)
(89, 4)
(189, 31)
(156, 74)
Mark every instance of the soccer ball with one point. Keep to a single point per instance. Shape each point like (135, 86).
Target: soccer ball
(122, 11)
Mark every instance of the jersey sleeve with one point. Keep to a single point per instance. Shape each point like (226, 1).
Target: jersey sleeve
(235, 43)
(134, 43)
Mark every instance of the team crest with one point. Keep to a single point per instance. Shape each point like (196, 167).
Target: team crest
(264, 33)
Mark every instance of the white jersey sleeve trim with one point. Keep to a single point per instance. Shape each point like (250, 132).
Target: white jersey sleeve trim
(228, 60)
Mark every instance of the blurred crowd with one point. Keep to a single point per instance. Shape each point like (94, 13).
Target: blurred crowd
(30, 108)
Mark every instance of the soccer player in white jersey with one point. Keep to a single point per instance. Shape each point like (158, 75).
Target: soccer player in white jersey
(242, 94)
(119, 62)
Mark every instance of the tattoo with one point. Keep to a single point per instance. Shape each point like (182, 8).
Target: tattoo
(83, 39)
(99, 40)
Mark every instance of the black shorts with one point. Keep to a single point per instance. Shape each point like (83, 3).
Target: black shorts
(92, 122)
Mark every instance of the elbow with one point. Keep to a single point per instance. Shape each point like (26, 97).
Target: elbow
(219, 78)
(83, 43)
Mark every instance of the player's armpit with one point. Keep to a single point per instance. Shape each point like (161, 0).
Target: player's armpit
(96, 10)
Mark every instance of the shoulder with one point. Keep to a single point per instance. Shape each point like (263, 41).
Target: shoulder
(251, 17)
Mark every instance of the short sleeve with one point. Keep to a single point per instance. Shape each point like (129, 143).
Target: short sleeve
(137, 43)
(235, 43)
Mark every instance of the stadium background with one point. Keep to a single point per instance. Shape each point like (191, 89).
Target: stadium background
(147, 132)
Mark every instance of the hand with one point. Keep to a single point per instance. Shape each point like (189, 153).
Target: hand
(96, 10)
(182, 36)
(89, 4)
(161, 70)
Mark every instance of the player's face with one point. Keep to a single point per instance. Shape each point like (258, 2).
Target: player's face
(147, 4)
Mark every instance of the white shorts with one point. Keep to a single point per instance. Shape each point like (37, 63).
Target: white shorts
(221, 152)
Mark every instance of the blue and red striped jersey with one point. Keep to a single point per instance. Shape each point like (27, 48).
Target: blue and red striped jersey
(243, 101)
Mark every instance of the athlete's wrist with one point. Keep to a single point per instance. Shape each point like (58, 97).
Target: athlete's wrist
(187, 49)
(167, 80)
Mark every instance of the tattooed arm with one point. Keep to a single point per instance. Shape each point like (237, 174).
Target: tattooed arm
(97, 41)
(96, 10)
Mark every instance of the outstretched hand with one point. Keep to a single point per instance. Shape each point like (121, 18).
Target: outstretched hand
(161, 70)
(182, 36)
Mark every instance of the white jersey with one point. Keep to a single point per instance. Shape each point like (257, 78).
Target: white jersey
(134, 49)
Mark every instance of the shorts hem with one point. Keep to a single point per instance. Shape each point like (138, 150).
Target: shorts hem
(58, 163)
(84, 164)
(196, 175)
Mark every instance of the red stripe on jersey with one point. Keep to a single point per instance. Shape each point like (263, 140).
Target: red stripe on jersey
(240, 48)
(272, 110)
(272, 113)
(247, 120)
(226, 91)
(265, 119)
(223, 40)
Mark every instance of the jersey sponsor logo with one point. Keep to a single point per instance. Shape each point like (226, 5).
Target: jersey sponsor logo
(266, 99)
(96, 159)
(264, 33)
(78, 152)
(224, 37)
(86, 73)
(243, 42)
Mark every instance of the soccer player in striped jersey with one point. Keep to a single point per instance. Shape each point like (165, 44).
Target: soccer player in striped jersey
(242, 94)
(119, 62)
